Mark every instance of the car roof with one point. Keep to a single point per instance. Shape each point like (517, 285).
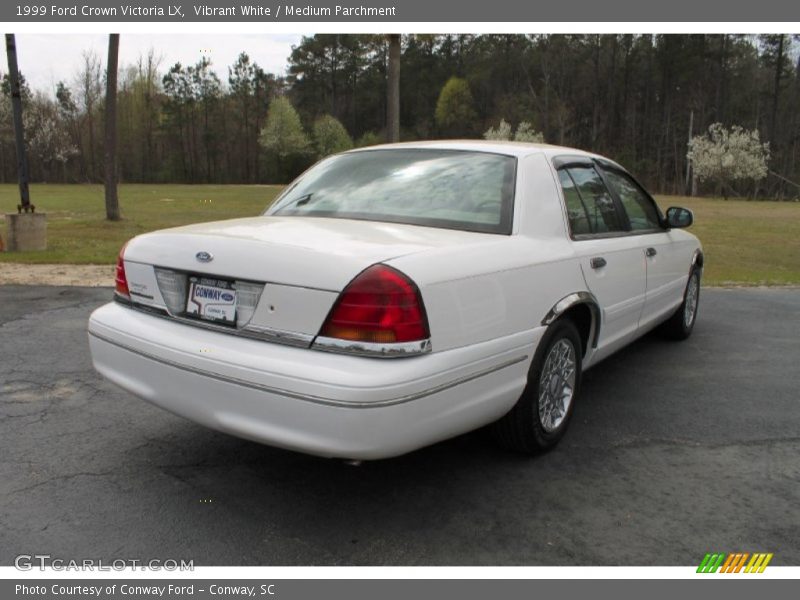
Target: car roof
(517, 149)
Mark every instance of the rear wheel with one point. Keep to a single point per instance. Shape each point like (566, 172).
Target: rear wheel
(679, 326)
(541, 415)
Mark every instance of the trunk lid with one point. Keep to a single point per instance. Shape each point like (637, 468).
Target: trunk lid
(311, 252)
(299, 264)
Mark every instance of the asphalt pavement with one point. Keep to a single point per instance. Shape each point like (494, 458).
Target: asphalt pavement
(676, 449)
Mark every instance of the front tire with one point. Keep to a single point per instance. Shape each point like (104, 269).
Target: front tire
(680, 325)
(540, 417)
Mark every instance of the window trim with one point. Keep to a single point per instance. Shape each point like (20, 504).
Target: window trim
(614, 168)
(601, 165)
(565, 163)
(580, 199)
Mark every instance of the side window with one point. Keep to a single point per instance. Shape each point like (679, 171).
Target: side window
(598, 207)
(576, 211)
(641, 211)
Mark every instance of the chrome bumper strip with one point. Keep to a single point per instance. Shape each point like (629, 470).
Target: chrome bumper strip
(290, 338)
(389, 350)
(255, 332)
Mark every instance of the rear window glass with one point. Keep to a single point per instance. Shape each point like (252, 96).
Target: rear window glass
(472, 191)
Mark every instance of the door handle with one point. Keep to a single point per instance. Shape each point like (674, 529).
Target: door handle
(651, 252)
(598, 262)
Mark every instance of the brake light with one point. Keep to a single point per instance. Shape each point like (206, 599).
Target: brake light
(380, 306)
(120, 281)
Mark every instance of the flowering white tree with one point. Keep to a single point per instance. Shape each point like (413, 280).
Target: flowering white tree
(46, 134)
(525, 133)
(500, 133)
(726, 155)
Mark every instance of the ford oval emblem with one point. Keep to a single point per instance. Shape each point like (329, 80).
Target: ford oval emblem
(204, 257)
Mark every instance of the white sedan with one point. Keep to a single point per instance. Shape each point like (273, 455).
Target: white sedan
(399, 295)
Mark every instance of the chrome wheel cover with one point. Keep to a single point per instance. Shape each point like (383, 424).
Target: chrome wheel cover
(557, 384)
(690, 303)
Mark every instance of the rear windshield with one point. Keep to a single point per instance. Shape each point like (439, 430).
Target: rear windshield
(472, 191)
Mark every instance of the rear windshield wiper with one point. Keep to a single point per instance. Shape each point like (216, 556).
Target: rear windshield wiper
(299, 201)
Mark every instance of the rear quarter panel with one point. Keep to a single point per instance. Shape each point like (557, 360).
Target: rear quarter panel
(478, 293)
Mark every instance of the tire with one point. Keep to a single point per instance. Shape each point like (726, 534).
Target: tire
(680, 325)
(526, 428)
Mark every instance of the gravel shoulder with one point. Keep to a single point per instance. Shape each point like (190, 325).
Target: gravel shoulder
(59, 275)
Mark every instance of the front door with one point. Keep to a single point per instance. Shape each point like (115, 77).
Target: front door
(666, 259)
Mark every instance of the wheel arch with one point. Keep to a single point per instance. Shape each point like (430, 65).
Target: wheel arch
(697, 259)
(584, 310)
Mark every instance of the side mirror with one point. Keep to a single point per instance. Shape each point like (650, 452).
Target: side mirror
(679, 217)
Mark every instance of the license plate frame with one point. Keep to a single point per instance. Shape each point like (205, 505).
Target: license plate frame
(211, 299)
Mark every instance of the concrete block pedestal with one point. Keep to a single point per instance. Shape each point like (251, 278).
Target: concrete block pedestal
(26, 231)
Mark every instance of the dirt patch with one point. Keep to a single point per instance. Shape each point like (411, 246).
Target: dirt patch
(83, 275)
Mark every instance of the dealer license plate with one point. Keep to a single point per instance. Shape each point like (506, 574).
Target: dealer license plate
(212, 299)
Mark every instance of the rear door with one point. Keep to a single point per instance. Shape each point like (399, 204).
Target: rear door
(612, 261)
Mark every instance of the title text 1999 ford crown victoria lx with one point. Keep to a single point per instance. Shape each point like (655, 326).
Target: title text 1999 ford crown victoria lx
(399, 295)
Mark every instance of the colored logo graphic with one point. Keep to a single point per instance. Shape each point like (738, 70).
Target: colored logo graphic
(735, 562)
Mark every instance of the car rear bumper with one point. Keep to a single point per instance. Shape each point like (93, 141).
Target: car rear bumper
(306, 400)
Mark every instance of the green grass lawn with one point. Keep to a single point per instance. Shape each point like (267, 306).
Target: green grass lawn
(746, 243)
(77, 231)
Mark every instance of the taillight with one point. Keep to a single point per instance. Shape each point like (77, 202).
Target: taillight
(380, 306)
(120, 281)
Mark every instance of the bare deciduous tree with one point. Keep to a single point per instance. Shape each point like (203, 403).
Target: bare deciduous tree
(393, 90)
(112, 199)
(89, 83)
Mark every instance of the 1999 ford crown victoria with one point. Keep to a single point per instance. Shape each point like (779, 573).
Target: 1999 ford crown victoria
(400, 295)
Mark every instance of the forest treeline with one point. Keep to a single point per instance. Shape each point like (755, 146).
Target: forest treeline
(635, 98)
